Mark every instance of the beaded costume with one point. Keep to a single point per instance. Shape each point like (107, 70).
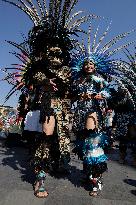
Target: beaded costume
(125, 113)
(45, 57)
(88, 84)
(91, 143)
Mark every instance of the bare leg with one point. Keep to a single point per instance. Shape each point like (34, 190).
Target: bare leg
(48, 129)
(38, 193)
(48, 125)
(92, 121)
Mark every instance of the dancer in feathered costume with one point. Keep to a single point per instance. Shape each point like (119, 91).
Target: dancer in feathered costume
(45, 56)
(90, 66)
(125, 119)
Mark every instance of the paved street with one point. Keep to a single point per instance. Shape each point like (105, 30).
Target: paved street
(16, 186)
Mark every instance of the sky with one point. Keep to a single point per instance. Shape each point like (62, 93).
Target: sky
(14, 23)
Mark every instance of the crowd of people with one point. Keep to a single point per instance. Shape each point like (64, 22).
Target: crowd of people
(59, 73)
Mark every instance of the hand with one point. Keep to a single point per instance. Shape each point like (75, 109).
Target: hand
(89, 96)
(109, 111)
(104, 111)
(86, 96)
(54, 86)
(98, 97)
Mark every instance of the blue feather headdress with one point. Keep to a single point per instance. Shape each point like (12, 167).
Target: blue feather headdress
(102, 64)
(100, 55)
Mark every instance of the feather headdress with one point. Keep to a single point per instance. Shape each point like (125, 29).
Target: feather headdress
(54, 26)
(102, 56)
(54, 23)
(99, 54)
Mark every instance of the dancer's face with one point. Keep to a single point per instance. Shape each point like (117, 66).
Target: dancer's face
(89, 67)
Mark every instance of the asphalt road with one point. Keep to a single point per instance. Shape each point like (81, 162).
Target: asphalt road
(16, 182)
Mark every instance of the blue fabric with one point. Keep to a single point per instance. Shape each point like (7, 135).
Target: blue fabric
(104, 140)
(101, 141)
(95, 160)
(91, 84)
(41, 174)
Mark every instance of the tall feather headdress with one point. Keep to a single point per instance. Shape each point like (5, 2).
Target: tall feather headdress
(101, 54)
(55, 25)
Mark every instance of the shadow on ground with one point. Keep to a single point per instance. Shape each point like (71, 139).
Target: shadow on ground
(132, 183)
(17, 158)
